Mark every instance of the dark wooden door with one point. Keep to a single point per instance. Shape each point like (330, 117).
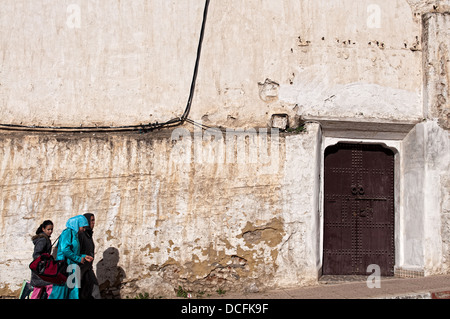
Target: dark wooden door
(358, 209)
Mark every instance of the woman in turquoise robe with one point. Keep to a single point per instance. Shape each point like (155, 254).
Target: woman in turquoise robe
(69, 250)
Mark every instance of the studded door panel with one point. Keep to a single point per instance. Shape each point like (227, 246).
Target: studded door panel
(358, 209)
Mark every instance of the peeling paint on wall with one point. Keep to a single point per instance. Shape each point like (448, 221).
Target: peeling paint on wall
(199, 225)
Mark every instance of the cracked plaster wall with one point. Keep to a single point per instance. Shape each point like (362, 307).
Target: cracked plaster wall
(437, 67)
(132, 62)
(436, 139)
(163, 222)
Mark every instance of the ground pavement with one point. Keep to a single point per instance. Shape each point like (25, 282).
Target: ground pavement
(432, 287)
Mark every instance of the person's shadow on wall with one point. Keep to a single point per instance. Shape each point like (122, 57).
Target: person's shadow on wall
(110, 276)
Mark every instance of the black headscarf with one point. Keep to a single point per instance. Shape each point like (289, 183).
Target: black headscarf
(89, 230)
(87, 245)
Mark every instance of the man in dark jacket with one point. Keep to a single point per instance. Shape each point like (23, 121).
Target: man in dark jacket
(89, 284)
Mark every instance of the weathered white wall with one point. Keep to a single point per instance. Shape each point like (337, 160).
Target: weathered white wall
(424, 199)
(436, 143)
(426, 162)
(437, 67)
(103, 62)
(436, 191)
(204, 224)
(412, 200)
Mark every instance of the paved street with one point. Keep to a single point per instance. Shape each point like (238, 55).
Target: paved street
(434, 287)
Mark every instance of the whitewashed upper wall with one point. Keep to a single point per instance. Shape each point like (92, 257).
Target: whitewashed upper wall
(130, 62)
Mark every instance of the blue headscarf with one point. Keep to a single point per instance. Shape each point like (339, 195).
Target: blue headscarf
(76, 222)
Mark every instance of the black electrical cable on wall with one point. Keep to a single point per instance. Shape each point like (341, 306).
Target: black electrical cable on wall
(197, 61)
(123, 128)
